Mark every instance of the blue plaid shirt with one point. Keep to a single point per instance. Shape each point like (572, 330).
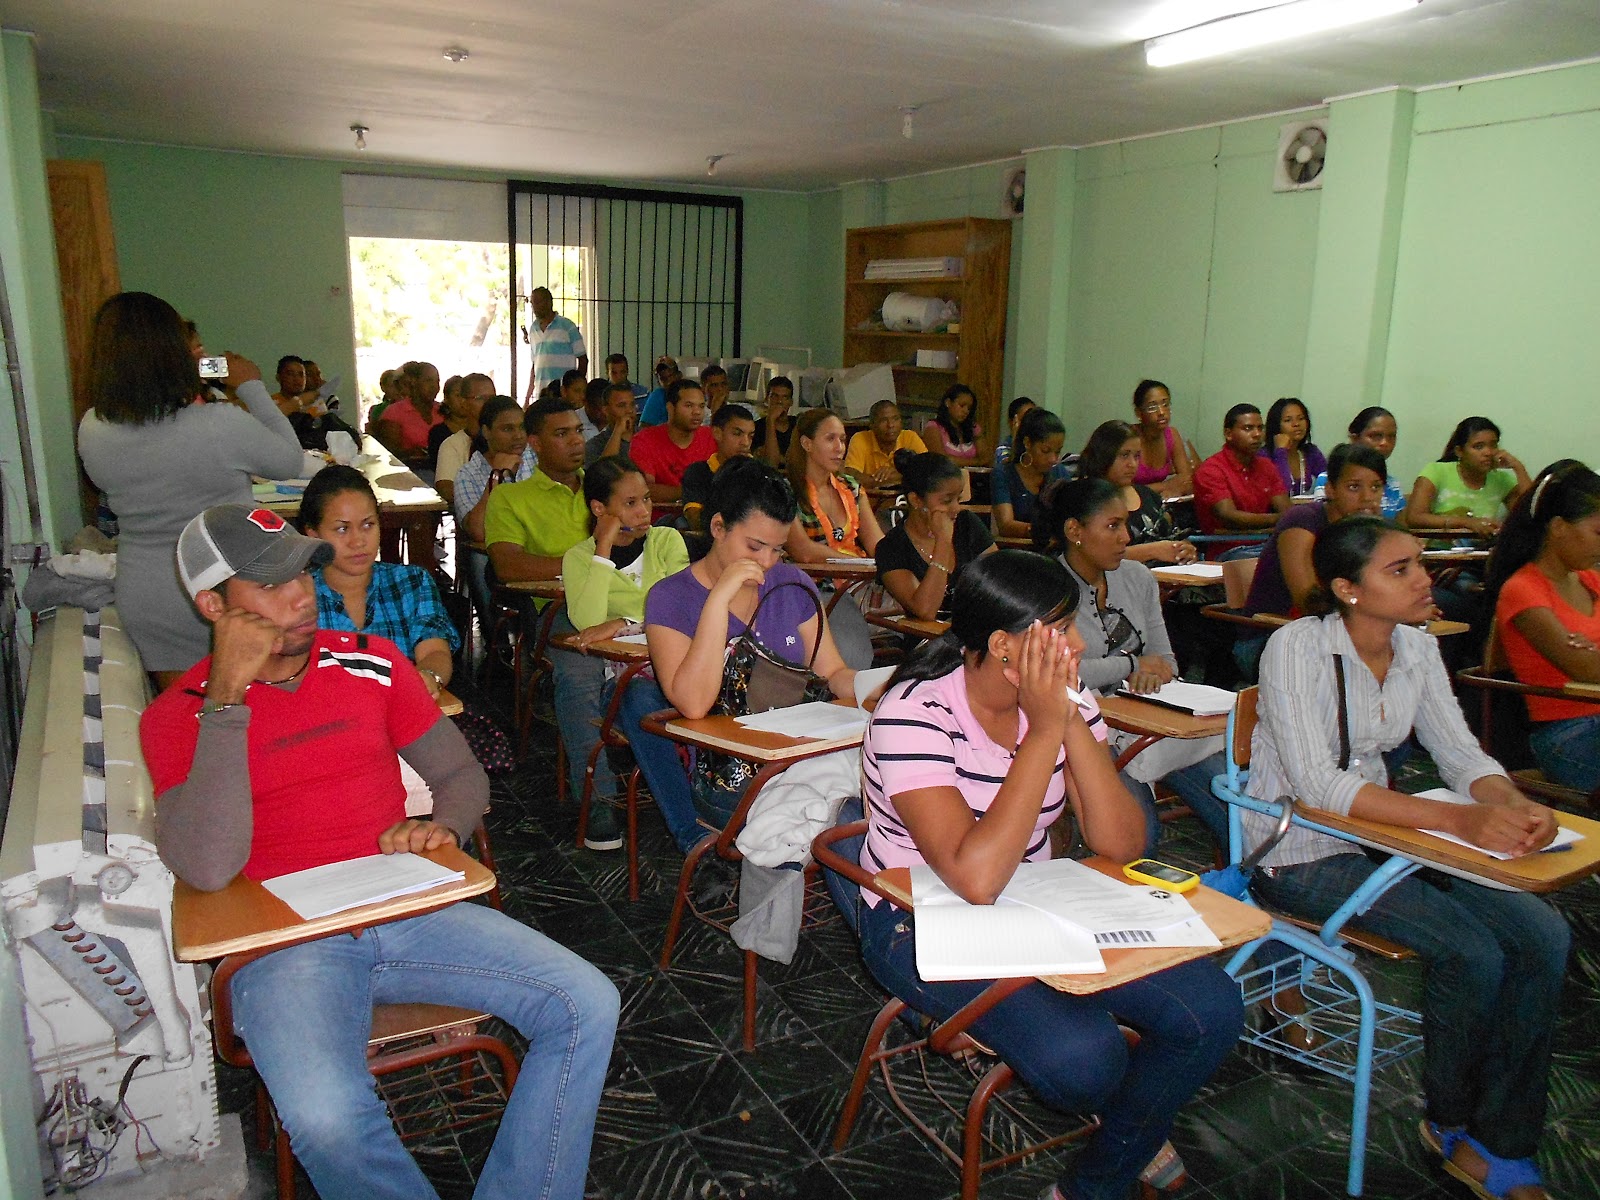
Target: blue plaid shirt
(473, 479)
(403, 605)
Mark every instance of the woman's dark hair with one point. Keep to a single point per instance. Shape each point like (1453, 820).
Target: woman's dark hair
(1566, 489)
(1069, 500)
(805, 426)
(1275, 419)
(1354, 454)
(1039, 424)
(924, 472)
(1101, 450)
(1017, 405)
(600, 479)
(1465, 432)
(1342, 551)
(1004, 591)
(324, 486)
(141, 369)
(744, 486)
(1144, 387)
(1366, 417)
(967, 430)
(492, 408)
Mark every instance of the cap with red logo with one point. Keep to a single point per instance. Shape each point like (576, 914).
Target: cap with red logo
(252, 543)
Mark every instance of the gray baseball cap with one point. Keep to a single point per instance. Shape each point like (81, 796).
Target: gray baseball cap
(252, 543)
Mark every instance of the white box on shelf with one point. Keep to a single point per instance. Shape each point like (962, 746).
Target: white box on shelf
(943, 359)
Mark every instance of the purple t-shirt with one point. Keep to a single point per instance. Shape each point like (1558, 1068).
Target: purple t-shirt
(677, 601)
(1269, 591)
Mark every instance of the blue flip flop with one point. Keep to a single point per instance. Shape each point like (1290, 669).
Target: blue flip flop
(1504, 1173)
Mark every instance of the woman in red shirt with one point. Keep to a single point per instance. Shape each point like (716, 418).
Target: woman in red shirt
(1543, 578)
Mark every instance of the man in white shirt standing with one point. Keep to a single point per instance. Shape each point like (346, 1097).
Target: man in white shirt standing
(556, 345)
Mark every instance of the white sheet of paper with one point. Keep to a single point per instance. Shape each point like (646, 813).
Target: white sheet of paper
(818, 719)
(1198, 698)
(869, 681)
(318, 891)
(957, 940)
(1200, 569)
(1564, 836)
(633, 639)
(862, 562)
(1070, 891)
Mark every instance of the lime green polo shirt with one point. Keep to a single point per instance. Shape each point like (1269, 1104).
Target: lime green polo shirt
(542, 516)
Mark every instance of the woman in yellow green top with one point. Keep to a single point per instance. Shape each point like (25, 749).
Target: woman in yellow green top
(606, 577)
(1472, 485)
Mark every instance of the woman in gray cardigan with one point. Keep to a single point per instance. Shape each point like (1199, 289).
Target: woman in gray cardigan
(1085, 523)
(162, 454)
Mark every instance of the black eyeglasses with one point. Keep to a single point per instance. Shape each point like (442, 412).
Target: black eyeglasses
(1119, 630)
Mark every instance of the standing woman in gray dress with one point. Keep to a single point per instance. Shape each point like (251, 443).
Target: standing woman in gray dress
(162, 455)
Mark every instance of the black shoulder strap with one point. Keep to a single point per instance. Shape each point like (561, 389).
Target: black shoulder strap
(1344, 714)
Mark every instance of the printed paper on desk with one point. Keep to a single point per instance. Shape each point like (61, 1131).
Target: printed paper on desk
(1198, 698)
(318, 891)
(818, 719)
(1564, 836)
(1198, 570)
(1117, 914)
(957, 940)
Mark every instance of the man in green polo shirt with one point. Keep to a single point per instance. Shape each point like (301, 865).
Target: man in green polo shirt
(528, 527)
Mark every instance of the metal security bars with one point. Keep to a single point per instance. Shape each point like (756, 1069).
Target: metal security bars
(643, 272)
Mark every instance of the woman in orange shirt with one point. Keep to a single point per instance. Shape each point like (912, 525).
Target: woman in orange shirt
(1547, 613)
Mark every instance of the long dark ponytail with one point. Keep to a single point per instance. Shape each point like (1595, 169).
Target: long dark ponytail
(1565, 489)
(1004, 591)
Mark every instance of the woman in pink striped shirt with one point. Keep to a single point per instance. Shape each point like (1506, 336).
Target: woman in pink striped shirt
(980, 743)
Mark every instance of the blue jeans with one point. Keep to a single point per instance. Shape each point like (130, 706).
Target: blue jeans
(1569, 751)
(658, 761)
(1070, 1053)
(1493, 964)
(580, 701)
(306, 1012)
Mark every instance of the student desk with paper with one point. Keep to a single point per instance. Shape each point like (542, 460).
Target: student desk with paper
(910, 626)
(851, 569)
(245, 917)
(1150, 723)
(1234, 923)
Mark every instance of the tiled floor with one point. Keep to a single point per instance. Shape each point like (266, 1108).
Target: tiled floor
(686, 1116)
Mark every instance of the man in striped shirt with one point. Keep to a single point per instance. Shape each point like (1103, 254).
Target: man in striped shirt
(555, 342)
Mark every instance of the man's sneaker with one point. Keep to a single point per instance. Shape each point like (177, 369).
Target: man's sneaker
(603, 832)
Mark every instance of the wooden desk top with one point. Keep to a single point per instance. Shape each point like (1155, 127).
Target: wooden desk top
(724, 733)
(915, 626)
(609, 649)
(1233, 921)
(1133, 715)
(1531, 873)
(1177, 577)
(450, 704)
(855, 568)
(396, 486)
(244, 916)
(547, 589)
(1014, 543)
(1454, 558)
(1434, 628)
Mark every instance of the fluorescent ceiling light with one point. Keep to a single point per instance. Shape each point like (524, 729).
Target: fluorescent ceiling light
(1265, 26)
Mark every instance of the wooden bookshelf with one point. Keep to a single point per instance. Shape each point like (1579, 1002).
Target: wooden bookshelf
(982, 288)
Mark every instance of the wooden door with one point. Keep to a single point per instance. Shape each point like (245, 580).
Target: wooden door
(86, 255)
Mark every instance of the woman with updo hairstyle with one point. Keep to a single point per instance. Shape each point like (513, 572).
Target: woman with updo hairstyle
(920, 559)
(1112, 454)
(1337, 692)
(1165, 463)
(1035, 461)
(162, 456)
(980, 743)
(1543, 583)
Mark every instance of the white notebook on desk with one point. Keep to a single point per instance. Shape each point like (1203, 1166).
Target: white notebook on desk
(1197, 570)
(1197, 698)
(1564, 836)
(319, 891)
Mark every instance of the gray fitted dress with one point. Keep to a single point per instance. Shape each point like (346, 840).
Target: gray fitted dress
(158, 476)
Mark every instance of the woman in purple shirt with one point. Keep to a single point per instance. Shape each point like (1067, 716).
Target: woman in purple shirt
(690, 618)
(1291, 449)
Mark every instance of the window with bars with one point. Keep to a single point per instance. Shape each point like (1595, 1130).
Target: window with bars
(643, 273)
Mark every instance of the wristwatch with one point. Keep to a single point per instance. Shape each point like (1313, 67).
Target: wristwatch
(209, 706)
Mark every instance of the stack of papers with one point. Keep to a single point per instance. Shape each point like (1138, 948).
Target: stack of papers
(855, 562)
(1198, 570)
(1564, 836)
(1197, 698)
(1053, 918)
(319, 891)
(913, 268)
(819, 719)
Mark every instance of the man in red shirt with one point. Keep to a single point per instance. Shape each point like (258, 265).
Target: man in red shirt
(280, 752)
(663, 451)
(1238, 488)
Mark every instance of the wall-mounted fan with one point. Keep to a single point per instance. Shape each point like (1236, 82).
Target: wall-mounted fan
(1302, 150)
(1011, 191)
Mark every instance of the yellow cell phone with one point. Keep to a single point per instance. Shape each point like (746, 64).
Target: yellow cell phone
(1159, 874)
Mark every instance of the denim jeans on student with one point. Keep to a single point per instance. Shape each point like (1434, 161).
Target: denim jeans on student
(658, 761)
(580, 700)
(306, 1012)
(1492, 964)
(1069, 1051)
(1569, 751)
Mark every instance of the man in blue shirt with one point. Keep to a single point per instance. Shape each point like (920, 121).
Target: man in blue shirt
(556, 344)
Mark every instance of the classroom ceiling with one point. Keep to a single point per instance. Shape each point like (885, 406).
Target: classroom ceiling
(798, 94)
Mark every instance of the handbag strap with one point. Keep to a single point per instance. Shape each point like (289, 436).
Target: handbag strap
(1344, 714)
(750, 625)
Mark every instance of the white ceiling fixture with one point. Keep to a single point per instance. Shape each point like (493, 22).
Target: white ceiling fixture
(1265, 27)
(712, 161)
(908, 113)
(457, 54)
(360, 131)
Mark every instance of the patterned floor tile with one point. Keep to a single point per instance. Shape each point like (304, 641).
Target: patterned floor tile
(751, 1146)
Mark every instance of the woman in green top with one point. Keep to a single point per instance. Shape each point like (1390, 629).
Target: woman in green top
(1472, 485)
